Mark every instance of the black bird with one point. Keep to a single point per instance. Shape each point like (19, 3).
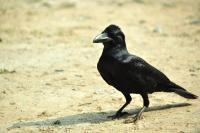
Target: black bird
(129, 73)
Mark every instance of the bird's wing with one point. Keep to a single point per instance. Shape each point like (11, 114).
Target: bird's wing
(144, 74)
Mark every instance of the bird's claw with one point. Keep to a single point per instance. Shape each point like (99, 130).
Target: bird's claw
(133, 120)
(118, 115)
(136, 118)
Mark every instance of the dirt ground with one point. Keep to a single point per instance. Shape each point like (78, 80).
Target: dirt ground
(48, 76)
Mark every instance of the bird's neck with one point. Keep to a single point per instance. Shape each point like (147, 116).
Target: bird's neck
(114, 48)
(114, 45)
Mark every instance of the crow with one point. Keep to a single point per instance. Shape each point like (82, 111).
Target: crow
(129, 73)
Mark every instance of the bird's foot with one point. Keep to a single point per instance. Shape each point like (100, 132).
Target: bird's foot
(133, 119)
(137, 117)
(118, 115)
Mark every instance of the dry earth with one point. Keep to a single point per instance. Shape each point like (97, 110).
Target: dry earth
(48, 76)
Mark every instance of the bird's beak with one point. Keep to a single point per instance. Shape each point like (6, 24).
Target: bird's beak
(101, 38)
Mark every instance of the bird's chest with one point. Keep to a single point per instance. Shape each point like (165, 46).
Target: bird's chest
(107, 66)
(111, 72)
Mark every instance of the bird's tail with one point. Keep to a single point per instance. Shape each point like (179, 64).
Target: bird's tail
(181, 91)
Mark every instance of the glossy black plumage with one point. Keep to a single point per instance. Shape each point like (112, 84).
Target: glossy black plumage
(129, 73)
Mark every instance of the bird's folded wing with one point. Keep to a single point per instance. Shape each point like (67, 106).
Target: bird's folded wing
(144, 74)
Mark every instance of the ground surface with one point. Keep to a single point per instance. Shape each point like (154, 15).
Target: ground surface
(48, 76)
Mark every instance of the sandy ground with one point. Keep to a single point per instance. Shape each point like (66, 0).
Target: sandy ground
(48, 76)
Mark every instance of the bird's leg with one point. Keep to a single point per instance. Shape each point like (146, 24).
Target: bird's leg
(145, 106)
(119, 113)
(138, 116)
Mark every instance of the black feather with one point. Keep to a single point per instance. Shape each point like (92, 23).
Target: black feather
(181, 91)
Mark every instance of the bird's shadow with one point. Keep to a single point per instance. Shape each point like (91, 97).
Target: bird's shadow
(90, 117)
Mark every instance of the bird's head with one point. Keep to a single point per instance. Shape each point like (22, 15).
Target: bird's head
(112, 36)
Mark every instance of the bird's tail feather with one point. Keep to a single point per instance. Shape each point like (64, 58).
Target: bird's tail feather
(182, 92)
(185, 93)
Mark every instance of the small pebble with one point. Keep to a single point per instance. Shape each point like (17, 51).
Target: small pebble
(59, 70)
(195, 22)
(158, 29)
(57, 122)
